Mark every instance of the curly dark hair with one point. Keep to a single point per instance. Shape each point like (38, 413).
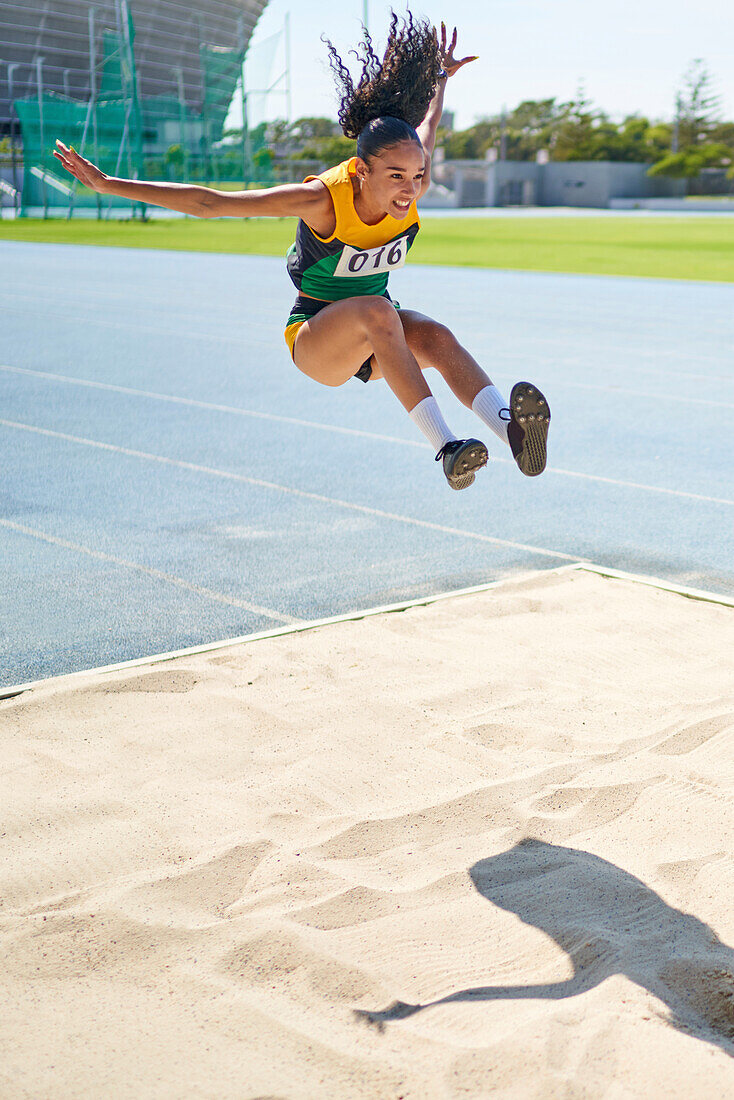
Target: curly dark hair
(400, 86)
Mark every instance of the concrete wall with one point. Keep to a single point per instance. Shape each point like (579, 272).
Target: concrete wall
(596, 183)
(466, 180)
(514, 183)
(558, 183)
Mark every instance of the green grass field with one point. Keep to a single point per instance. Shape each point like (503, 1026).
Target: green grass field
(699, 247)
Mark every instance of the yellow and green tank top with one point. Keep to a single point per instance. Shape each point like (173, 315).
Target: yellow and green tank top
(357, 258)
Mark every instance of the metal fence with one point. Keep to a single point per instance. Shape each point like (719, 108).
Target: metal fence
(163, 118)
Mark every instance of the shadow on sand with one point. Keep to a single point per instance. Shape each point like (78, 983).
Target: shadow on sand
(608, 922)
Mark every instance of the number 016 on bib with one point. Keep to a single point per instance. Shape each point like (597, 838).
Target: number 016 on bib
(355, 262)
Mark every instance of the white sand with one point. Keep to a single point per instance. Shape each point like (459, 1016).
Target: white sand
(481, 848)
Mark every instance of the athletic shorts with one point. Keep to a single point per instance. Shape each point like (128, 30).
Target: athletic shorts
(306, 308)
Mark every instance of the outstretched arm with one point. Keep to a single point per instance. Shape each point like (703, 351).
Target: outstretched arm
(428, 127)
(310, 201)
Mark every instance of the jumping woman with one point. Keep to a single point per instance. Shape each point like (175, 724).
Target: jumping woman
(356, 224)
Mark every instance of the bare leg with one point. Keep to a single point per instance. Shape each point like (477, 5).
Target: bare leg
(434, 345)
(335, 343)
(522, 422)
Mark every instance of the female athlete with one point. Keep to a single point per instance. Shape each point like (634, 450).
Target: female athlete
(356, 224)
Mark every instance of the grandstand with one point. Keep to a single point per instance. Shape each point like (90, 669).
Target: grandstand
(141, 86)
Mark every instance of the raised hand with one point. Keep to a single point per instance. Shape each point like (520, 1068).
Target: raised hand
(450, 63)
(83, 170)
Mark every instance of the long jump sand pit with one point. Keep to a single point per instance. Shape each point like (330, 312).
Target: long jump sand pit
(477, 848)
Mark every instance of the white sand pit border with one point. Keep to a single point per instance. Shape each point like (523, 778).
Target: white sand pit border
(354, 616)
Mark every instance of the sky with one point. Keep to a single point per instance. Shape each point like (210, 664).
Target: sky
(630, 55)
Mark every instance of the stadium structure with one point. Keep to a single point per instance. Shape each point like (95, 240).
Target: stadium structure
(142, 85)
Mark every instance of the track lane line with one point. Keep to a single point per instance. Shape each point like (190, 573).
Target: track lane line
(303, 494)
(214, 407)
(264, 330)
(338, 429)
(149, 571)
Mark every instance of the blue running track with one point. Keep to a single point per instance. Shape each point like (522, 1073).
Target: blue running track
(170, 479)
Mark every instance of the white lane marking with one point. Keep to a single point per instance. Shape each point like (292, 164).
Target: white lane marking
(637, 485)
(246, 339)
(641, 395)
(212, 407)
(197, 589)
(302, 493)
(349, 431)
(265, 328)
(153, 305)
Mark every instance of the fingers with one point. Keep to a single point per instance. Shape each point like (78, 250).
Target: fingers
(448, 50)
(452, 47)
(75, 170)
(64, 154)
(70, 153)
(67, 150)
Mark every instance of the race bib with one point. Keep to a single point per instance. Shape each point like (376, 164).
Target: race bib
(355, 262)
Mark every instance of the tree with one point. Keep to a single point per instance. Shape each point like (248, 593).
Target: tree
(174, 159)
(689, 163)
(532, 126)
(330, 150)
(574, 135)
(309, 127)
(698, 107)
(471, 144)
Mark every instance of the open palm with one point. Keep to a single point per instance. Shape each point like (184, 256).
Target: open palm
(82, 169)
(450, 63)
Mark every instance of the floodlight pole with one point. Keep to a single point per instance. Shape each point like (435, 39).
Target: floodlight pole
(11, 70)
(246, 151)
(39, 84)
(182, 121)
(209, 171)
(287, 32)
(93, 98)
(137, 116)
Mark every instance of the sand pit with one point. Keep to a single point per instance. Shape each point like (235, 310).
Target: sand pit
(479, 848)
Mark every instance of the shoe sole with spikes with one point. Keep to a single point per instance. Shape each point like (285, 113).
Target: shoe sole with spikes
(461, 466)
(529, 433)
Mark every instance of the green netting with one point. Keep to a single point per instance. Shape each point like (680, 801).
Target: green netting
(103, 132)
(157, 138)
(220, 70)
(111, 76)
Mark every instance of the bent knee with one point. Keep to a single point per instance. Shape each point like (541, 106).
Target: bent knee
(379, 314)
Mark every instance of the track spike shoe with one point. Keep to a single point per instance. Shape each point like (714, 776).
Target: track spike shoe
(461, 460)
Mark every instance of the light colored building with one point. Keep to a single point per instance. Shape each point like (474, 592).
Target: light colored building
(598, 184)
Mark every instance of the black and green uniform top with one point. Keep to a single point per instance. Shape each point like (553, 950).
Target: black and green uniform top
(357, 258)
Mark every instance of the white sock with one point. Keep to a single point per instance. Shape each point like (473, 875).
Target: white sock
(487, 405)
(427, 416)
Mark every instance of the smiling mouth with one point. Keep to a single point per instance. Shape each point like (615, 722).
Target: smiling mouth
(401, 205)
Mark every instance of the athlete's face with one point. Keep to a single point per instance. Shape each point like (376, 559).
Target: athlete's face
(393, 178)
